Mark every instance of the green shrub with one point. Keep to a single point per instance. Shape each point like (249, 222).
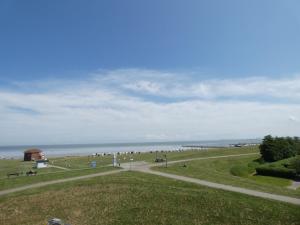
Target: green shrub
(295, 164)
(260, 160)
(253, 164)
(240, 170)
(276, 172)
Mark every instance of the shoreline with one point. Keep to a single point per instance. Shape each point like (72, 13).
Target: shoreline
(85, 150)
(98, 154)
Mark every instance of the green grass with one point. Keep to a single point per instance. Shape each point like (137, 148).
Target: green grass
(84, 161)
(76, 163)
(40, 177)
(205, 153)
(135, 198)
(240, 170)
(274, 181)
(81, 162)
(11, 166)
(220, 171)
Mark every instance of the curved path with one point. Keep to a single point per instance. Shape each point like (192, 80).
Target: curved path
(46, 183)
(59, 167)
(260, 194)
(209, 157)
(145, 167)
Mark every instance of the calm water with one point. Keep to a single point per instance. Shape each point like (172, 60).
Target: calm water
(85, 149)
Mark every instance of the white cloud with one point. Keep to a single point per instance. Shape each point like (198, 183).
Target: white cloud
(101, 110)
(144, 86)
(293, 119)
(174, 85)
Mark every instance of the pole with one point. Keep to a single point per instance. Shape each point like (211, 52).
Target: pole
(166, 160)
(130, 163)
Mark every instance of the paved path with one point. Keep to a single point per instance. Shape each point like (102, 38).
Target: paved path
(294, 185)
(59, 167)
(145, 167)
(213, 157)
(46, 183)
(281, 198)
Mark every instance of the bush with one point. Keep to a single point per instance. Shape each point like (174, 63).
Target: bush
(295, 164)
(259, 160)
(240, 170)
(276, 172)
(253, 164)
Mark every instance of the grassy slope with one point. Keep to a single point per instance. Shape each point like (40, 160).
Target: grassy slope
(136, 198)
(218, 170)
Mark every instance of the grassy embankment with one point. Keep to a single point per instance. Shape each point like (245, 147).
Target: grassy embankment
(136, 198)
(222, 170)
(78, 166)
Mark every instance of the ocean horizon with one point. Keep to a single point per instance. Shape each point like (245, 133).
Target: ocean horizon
(86, 149)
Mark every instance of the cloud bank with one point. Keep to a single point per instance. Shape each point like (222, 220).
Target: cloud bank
(147, 105)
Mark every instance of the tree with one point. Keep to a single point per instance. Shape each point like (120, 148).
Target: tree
(267, 148)
(296, 145)
(274, 149)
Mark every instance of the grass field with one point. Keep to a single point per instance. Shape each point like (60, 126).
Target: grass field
(218, 170)
(24, 180)
(83, 161)
(80, 165)
(136, 198)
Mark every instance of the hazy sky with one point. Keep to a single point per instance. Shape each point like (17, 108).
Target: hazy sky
(107, 71)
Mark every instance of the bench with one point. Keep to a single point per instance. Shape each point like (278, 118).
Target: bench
(14, 174)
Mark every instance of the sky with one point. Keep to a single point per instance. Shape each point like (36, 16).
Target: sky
(134, 71)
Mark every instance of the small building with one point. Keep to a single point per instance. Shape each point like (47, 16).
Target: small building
(33, 154)
(41, 163)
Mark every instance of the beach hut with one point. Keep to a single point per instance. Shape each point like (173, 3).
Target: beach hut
(33, 154)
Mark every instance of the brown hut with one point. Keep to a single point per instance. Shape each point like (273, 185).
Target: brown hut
(33, 154)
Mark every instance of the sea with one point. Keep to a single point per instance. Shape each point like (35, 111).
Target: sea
(88, 149)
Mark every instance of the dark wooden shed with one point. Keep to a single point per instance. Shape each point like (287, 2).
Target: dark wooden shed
(33, 154)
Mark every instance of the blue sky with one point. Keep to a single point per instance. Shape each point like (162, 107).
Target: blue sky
(148, 70)
(223, 38)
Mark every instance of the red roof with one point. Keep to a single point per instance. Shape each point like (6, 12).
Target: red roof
(33, 150)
